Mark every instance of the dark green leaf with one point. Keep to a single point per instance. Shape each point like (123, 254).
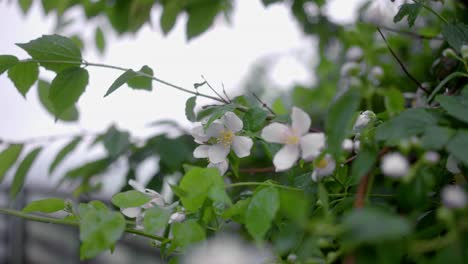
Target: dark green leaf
(201, 17)
(394, 101)
(67, 87)
(363, 163)
(169, 15)
(254, 119)
(6, 62)
(22, 171)
(261, 212)
(89, 169)
(140, 81)
(130, 199)
(121, 80)
(299, 211)
(24, 75)
(99, 40)
(269, 2)
(155, 219)
(458, 145)
(456, 35)
(70, 115)
(49, 205)
(340, 120)
(217, 113)
(411, 10)
(436, 137)
(8, 158)
(456, 106)
(187, 233)
(53, 48)
(62, 154)
(189, 109)
(116, 142)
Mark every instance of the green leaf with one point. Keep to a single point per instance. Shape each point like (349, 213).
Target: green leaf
(369, 225)
(63, 153)
(66, 88)
(99, 40)
(458, 145)
(130, 199)
(6, 62)
(364, 162)
(155, 219)
(456, 106)
(411, 10)
(340, 120)
(24, 75)
(237, 211)
(189, 109)
(53, 48)
(299, 211)
(456, 35)
(201, 17)
(261, 212)
(8, 158)
(394, 101)
(254, 119)
(169, 15)
(436, 137)
(140, 81)
(99, 229)
(116, 142)
(409, 123)
(89, 169)
(22, 171)
(49, 205)
(278, 107)
(218, 112)
(187, 233)
(25, 5)
(121, 80)
(70, 115)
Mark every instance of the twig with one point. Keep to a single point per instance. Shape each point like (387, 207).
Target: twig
(212, 89)
(257, 170)
(263, 104)
(410, 33)
(225, 94)
(401, 63)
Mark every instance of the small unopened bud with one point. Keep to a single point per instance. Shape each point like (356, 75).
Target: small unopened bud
(449, 53)
(354, 53)
(464, 51)
(177, 217)
(376, 72)
(350, 69)
(347, 145)
(453, 196)
(357, 145)
(431, 157)
(363, 120)
(394, 165)
(292, 258)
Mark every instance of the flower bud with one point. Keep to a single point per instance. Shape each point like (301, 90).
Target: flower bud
(376, 73)
(363, 120)
(453, 196)
(350, 69)
(347, 145)
(357, 145)
(394, 165)
(449, 53)
(431, 157)
(354, 53)
(177, 217)
(292, 258)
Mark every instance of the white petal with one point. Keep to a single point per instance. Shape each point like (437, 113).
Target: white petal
(347, 145)
(199, 134)
(394, 165)
(312, 145)
(218, 153)
(300, 121)
(131, 212)
(136, 185)
(232, 122)
(319, 173)
(286, 157)
(241, 146)
(222, 166)
(275, 133)
(214, 130)
(201, 151)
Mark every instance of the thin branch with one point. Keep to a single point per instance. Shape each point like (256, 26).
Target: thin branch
(225, 94)
(264, 104)
(410, 33)
(42, 139)
(257, 170)
(401, 63)
(212, 89)
(239, 184)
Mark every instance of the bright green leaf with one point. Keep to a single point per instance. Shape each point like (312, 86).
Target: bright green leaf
(189, 109)
(261, 212)
(155, 219)
(49, 205)
(63, 153)
(187, 233)
(70, 115)
(25, 5)
(67, 87)
(254, 119)
(116, 142)
(456, 35)
(22, 171)
(394, 101)
(8, 158)
(169, 15)
(24, 75)
(6, 62)
(237, 211)
(130, 199)
(140, 81)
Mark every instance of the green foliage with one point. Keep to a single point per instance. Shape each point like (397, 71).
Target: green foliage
(255, 118)
(458, 145)
(43, 89)
(48, 205)
(171, 10)
(456, 35)
(22, 171)
(411, 10)
(6, 62)
(121, 80)
(261, 212)
(436, 137)
(187, 233)
(189, 109)
(63, 153)
(8, 158)
(66, 89)
(116, 142)
(24, 75)
(456, 106)
(130, 199)
(142, 80)
(99, 40)
(25, 5)
(155, 219)
(201, 17)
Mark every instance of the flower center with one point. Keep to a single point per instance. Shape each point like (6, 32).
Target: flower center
(322, 164)
(226, 138)
(292, 140)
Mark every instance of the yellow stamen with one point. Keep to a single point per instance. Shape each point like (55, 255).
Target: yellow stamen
(292, 140)
(226, 138)
(323, 163)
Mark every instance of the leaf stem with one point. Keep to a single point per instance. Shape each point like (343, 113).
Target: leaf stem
(445, 81)
(428, 8)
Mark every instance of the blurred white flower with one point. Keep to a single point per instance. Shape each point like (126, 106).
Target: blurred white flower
(363, 120)
(226, 250)
(431, 157)
(295, 140)
(323, 167)
(347, 145)
(292, 258)
(375, 74)
(381, 12)
(350, 69)
(176, 217)
(137, 212)
(199, 135)
(202, 152)
(452, 165)
(357, 145)
(394, 165)
(354, 53)
(453, 196)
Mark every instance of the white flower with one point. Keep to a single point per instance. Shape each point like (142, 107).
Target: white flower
(292, 258)
(138, 212)
(203, 152)
(394, 165)
(199, 135)
(357, 145)
(363, 120)
(323, 167)
(376, 74)
(431, 157)
(347, 145)
(176, 217)
(354, 53)
(295, 140)
(453, 196)
(350, 69)
(226, 250)
(452, 165)
(381, 12)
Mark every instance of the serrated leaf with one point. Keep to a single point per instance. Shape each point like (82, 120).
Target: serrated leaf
(261, 212)
(70, 115)
(410, 10)
(140, 81)
(66, 88)
(169, 15)
(456, 106)
(49, 205)
(458, 145)
(121, 80)
(155, 219)
(189, 109)
(187, 233)
(340, 120)
(22, 172)
(63, 153)
(6, 62)
(24, 75)
(53, 48)
(99, 40)
(130, 199)
(200, 18)
(8, 158)
(456, 35)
